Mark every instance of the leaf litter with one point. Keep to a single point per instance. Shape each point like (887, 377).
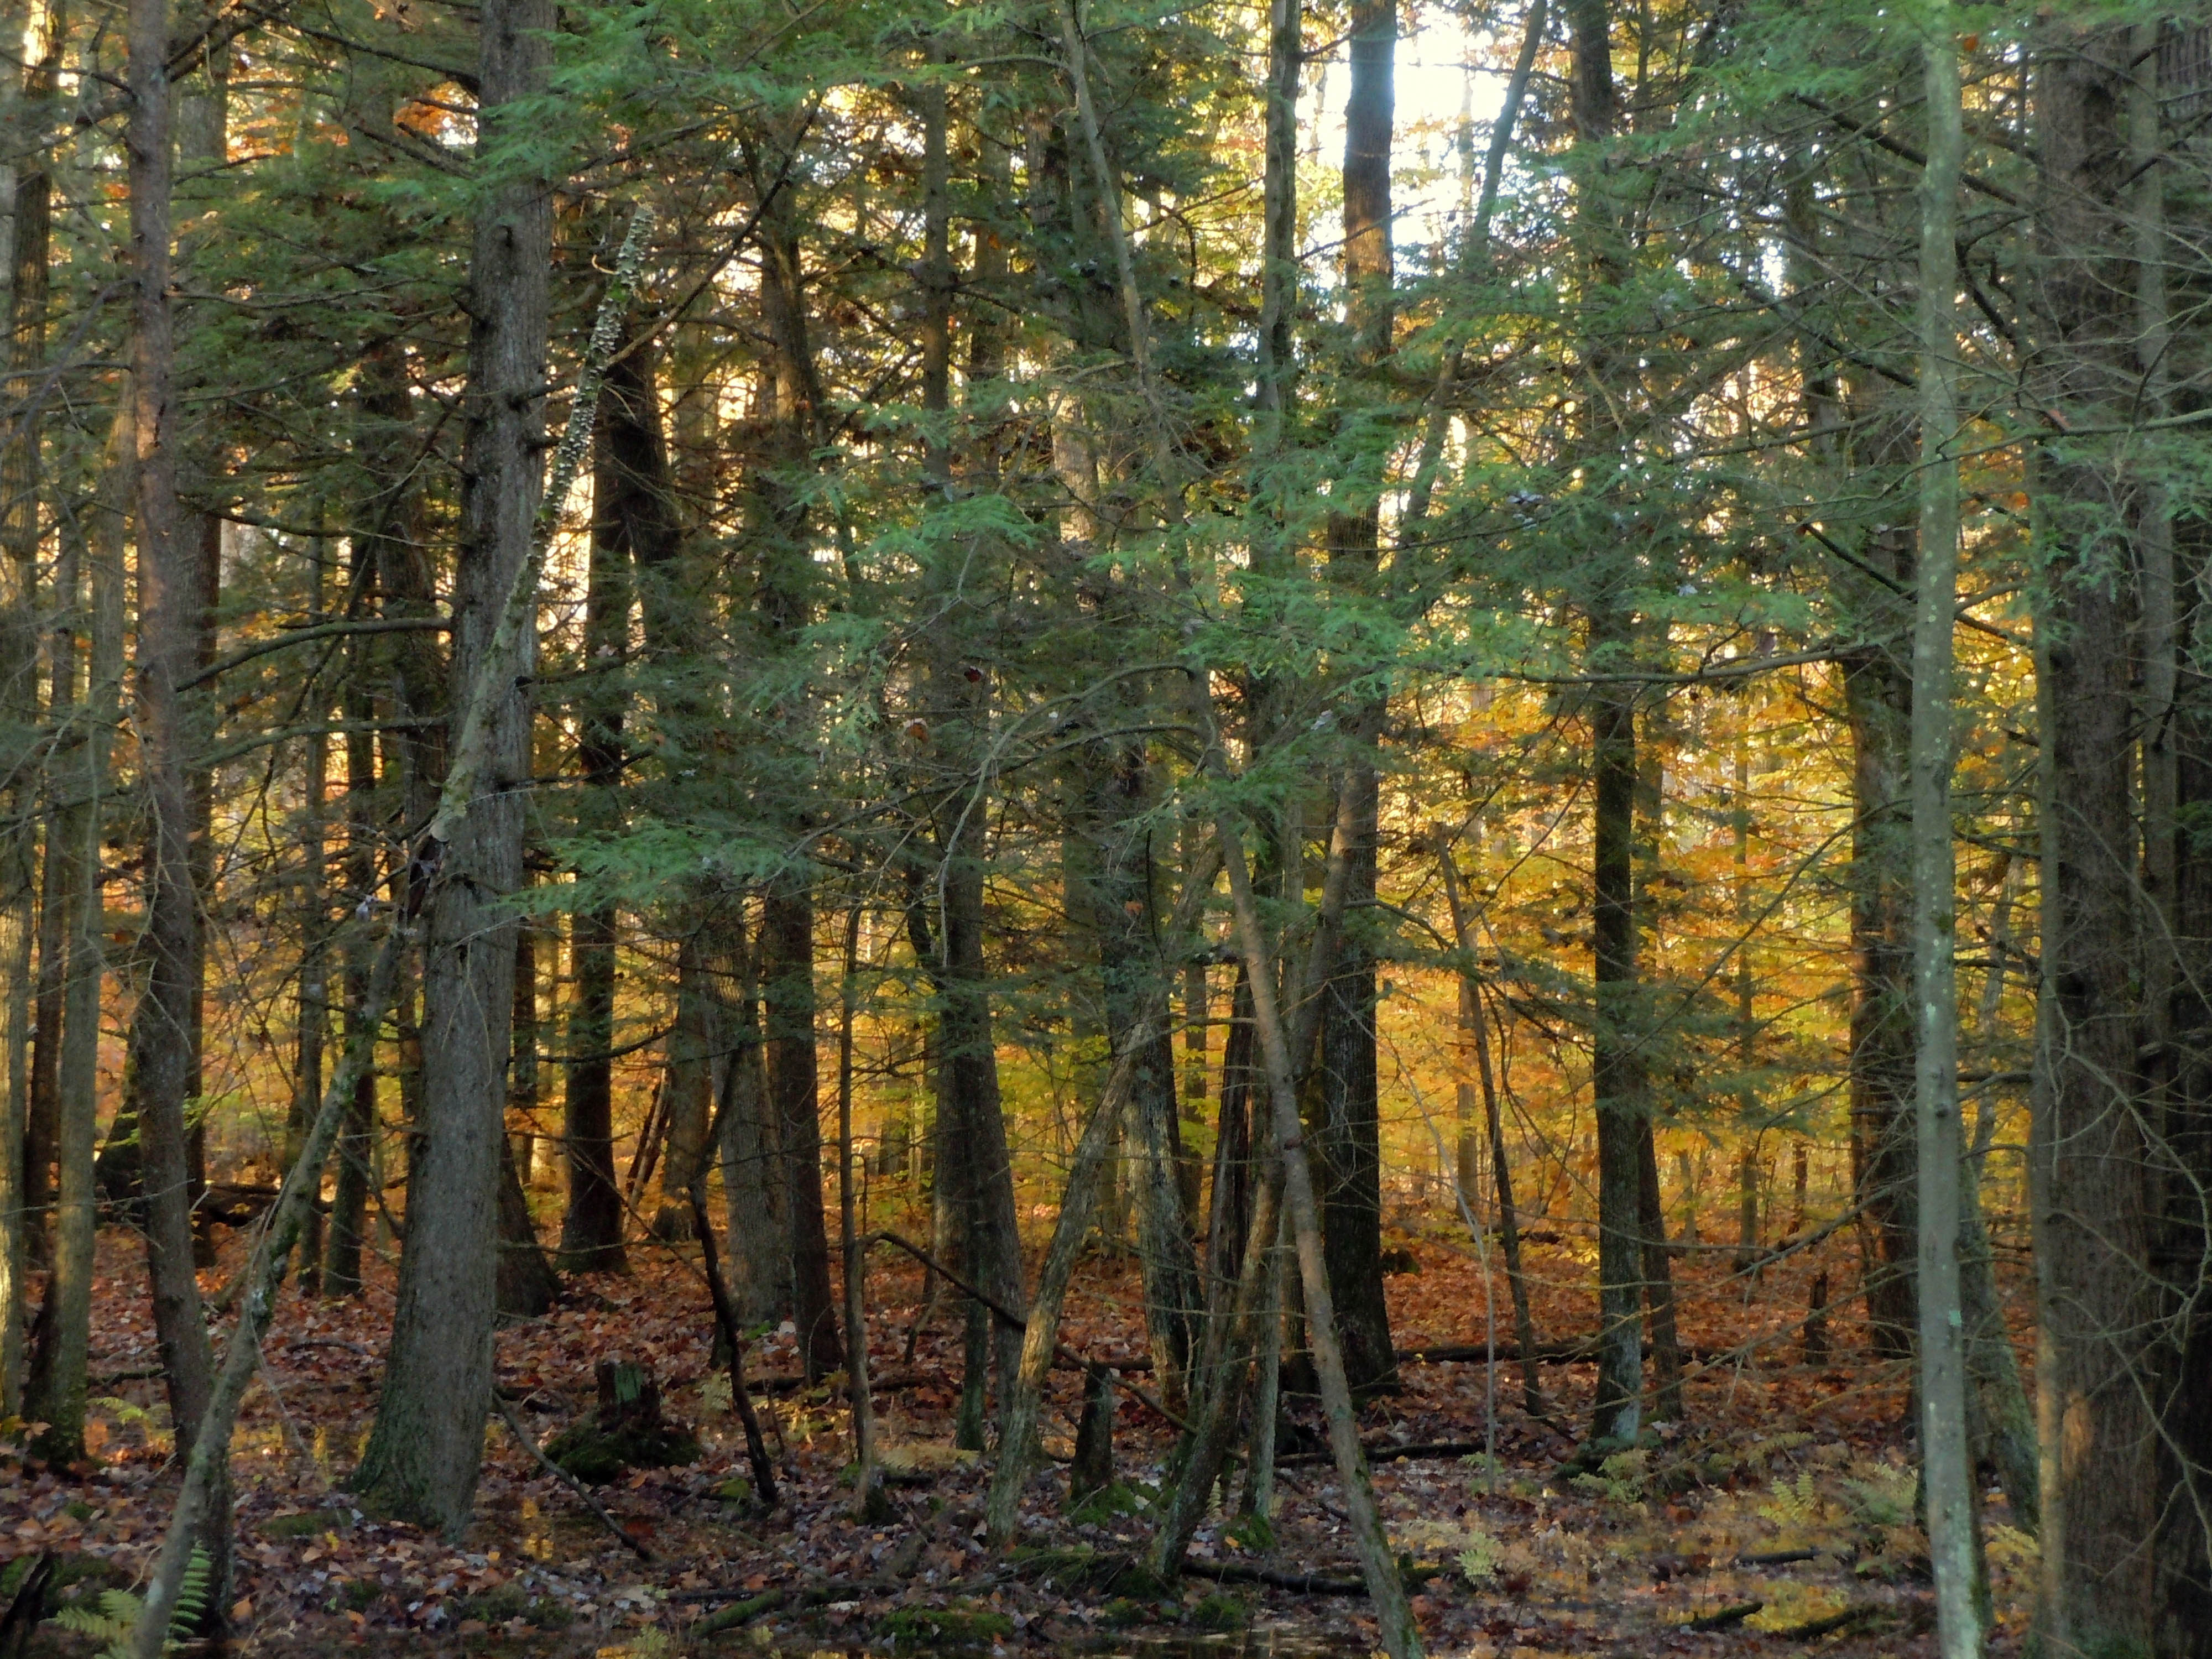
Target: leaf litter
(1777, 1517)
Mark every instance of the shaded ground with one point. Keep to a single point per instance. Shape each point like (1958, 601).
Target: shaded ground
(1800, 1467)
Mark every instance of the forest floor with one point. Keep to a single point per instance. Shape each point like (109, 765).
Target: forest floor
(1777, 1513)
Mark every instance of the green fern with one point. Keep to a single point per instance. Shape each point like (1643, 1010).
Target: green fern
(1797, 1505)
(116, 1616)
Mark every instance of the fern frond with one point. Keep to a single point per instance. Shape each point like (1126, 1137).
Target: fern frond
(192, 1595)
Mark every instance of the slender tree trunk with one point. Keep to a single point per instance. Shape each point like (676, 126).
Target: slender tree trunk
(311, 1000)
(1473, 1017)
(786, 955)
(528, 1286)
(868, 1504)
(386, 557)
(27, 1135)
(523, 1090)
(1617, 1063)
(592, 1230)
(1349, 1139)
(1399, 1636)
(203, 131)
(787, 984)
(1947, 1467)
(971, 1118)
(423, 1455)
(57, 1385)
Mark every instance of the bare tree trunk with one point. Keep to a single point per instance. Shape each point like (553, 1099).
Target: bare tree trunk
(868, 1504)
(311, 1000)
(423, 1455)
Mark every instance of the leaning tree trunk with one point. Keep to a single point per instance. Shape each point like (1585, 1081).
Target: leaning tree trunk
(423, 1458)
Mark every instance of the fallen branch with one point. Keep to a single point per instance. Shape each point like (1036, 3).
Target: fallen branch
(1833, 1622)
(736, 1614)
(1725, 1617)
(1303, 1583)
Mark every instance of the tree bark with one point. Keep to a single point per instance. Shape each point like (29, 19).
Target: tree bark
(752, 1157)
(1617, 1063)
(1947, 1471)
(2100, 1486)
(592, 1230)
(171, 604)
(423, 1455)
(57, 1383)
(29, 1116)
(1349, 1138)
(796, 408)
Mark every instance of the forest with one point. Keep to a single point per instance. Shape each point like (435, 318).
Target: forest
(1376, 827)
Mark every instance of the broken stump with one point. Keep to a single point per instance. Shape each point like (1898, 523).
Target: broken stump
(624, 1430)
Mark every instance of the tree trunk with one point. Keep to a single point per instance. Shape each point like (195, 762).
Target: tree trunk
(787, 987)
(1123, 921)
(1349, 1140)
(752, 1157)
(592, 1230)
(423, 1455)
(1475, 1022)
(171, 605)
(796, 407)
(57, 1371)
(28, 1114)
(1617, 1061)
(2099, 1486)
(1947, 1470)
(1386, 1589)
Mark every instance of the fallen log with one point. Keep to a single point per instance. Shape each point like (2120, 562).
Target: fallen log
(1393, 1453)
(1726, 1616)
(1304, 1583)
